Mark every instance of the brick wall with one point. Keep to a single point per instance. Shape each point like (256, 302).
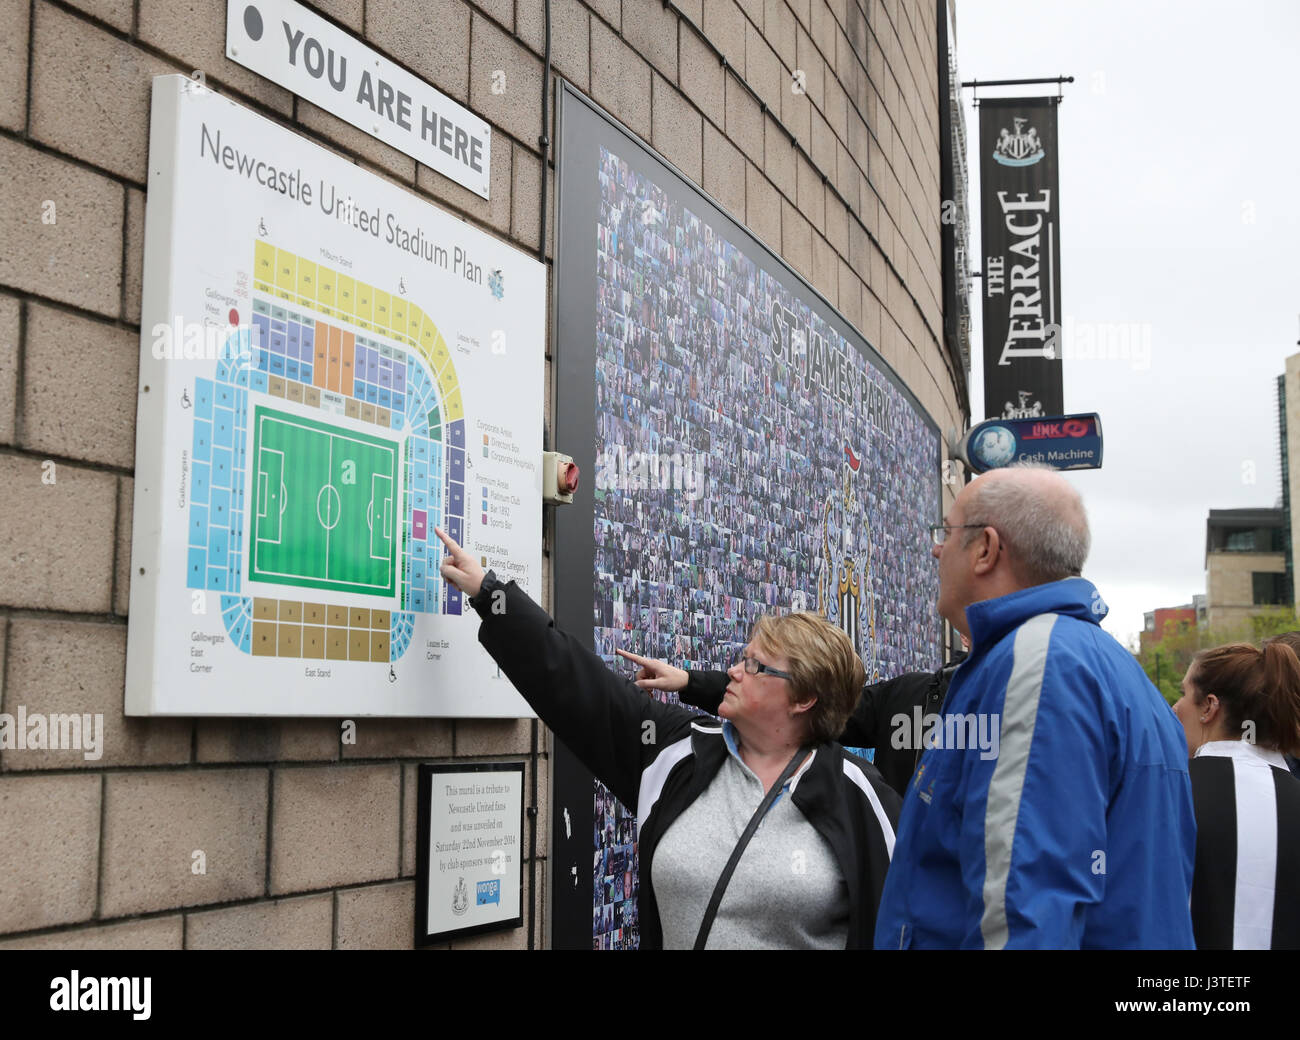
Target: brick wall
(309, 842)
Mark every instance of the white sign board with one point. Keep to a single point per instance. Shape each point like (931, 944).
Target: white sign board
(304, 53)
(329, 367)
(470, 834)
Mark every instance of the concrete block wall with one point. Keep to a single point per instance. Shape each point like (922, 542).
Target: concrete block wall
(309, 841)
(1230, 585)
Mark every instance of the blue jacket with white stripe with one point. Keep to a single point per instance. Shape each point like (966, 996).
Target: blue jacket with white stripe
(1052, 808)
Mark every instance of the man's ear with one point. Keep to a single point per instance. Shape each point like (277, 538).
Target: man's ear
(990, 549)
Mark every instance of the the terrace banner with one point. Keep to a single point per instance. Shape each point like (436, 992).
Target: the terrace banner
(1020, 236)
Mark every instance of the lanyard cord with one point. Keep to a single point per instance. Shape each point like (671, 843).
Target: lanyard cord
(721, 887)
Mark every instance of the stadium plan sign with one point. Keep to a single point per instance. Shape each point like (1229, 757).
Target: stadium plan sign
(330, 367)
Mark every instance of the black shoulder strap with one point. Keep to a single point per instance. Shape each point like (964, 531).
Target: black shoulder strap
(720, 888)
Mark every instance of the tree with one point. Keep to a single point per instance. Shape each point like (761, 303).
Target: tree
(1273, 622)
(1166, 661)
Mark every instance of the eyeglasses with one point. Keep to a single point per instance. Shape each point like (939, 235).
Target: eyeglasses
(754, 666)
(939, 532)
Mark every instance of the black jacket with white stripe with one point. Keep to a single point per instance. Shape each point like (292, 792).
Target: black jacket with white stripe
(874, 722)
(1246, 886)
(660, 757)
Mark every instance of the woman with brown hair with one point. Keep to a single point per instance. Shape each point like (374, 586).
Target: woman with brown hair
(758, 831)
(1240, 710)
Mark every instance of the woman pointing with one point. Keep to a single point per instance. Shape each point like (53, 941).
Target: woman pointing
(757, 831)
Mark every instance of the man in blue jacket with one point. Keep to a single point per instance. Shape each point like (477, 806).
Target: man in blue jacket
(1052, 808)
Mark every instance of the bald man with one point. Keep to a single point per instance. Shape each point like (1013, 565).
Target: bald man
(1054, 808)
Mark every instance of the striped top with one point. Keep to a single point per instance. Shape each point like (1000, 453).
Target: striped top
(1246, 886)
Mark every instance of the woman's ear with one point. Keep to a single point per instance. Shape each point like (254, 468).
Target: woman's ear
(802, 706)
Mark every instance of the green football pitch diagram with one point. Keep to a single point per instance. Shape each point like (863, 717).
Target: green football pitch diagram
(323, 513)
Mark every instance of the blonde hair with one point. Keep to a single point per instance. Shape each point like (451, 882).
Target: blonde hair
(824, 665)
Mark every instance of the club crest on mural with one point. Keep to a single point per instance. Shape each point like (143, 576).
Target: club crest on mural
(1022, 148)
(844, 587)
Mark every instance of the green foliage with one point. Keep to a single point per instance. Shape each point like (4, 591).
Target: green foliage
(1169, 689)
(1273, 622)
(1166, 661)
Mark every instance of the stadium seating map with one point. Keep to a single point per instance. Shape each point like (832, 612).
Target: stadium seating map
(330, 369)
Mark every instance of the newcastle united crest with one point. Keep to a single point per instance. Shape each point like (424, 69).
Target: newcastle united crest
(844, 586)
(1025, 409)
(1022, 148)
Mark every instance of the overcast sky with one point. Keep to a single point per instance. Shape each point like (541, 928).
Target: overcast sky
(1180, 184)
